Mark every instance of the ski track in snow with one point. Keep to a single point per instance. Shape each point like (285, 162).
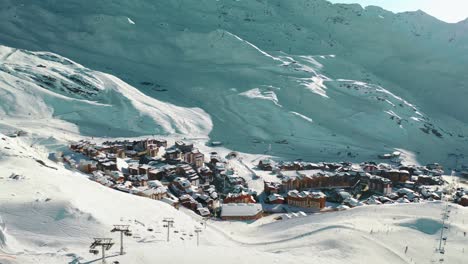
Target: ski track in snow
(303, 116)
(130, 21)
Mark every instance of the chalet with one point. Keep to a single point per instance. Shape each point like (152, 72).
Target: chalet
(133, 169)
(206, 174)
(184, 147)
(271, 187)
(155, 174)
(173, 154)
(204, 199)
(234, 211)
(266, 165)
(155, 192)
(116, 176)
(138, 180)
(188, 172)
(194, 157)
(211, 190)
(181, 186)
(107, 166)
(87, 166)
(204, 212)
(275, 199)
(242, 197)
(188, 201)
(185, 170)
(306, 199)
(143, 169)
(377, 184)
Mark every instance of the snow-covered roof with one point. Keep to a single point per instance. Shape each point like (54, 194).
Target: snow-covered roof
(303, 194)
(274, 197)
(241, 209)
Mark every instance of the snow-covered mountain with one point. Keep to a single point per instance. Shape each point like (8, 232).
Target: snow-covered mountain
(41, 89)
(313, 80)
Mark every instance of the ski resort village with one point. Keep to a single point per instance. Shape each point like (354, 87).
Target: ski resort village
(231, 132)
(211, 184)
(153, 195)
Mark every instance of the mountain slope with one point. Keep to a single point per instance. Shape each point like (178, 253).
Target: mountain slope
(263, 70)
(45, 88)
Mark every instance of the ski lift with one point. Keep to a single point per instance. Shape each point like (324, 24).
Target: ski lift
(128, 233)
(191, 235)
(94, 251)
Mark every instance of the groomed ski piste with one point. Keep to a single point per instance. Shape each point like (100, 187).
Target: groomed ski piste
(50, 214)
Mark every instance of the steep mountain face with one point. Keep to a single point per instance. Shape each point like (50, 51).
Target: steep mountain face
(311, 79)
(45, 88)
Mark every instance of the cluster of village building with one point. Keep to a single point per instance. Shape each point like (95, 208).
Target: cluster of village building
(310, 185)
(181, 175)
(178, 175)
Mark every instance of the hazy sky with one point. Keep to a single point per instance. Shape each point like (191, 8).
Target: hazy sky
(446, 10)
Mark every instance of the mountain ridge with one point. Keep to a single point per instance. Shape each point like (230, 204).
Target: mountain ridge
(212, 52)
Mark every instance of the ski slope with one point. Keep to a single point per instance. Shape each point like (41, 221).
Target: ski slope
(51, 214)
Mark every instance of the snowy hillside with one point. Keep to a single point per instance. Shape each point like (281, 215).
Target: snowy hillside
(42, 89)
(51, 214)
(331, 81)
